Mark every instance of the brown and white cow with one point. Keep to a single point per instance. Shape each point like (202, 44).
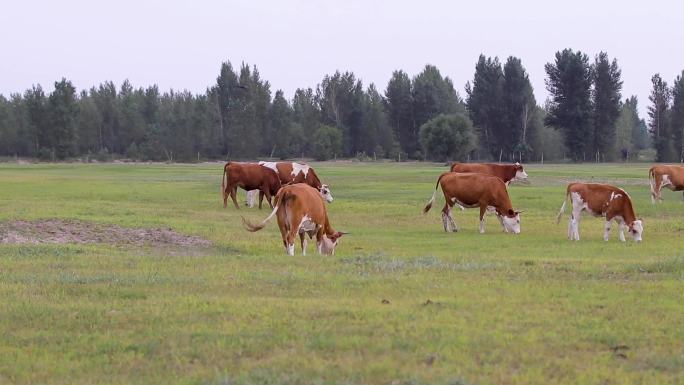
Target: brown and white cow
(300, 210)
(601, 200)
(507, 172)
(668, 176)
(249, 176)
(294, 172)
(476, 190)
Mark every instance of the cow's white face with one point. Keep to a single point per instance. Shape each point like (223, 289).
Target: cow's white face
(325, 193)
(520, 173)
(328, 244)
(636, 230)
(511, 221)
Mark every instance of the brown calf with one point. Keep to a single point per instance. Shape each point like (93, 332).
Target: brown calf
(249, 176)
(476, 190)
(668, 176)
(300, 210)
(506, 172)
(601, 200)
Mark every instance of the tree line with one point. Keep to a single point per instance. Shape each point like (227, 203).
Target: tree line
(414, 117)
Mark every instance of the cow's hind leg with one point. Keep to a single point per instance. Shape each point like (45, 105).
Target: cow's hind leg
(447, 219)
(233, 196)
(291, 235)
(574, 224)
(303, 241)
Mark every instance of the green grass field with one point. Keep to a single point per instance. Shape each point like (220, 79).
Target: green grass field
(463, 308)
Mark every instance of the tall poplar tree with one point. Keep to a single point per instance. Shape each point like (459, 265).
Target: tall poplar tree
(677, 116)
(606, 102)
(658, 120)
(569, 80)
(399, 107)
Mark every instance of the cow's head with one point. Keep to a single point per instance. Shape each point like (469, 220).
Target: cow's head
(520, 173)
(511, 221)
(636, 228)
(328, 243)
(325, 193)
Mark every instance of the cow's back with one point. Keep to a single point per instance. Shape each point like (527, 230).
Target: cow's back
(470, 167)
(675, 174)
(595, 195)
(304, 199)
(471, 188)
(497, 170)
(252, 176)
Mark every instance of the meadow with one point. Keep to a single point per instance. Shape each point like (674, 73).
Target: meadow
(401, 301)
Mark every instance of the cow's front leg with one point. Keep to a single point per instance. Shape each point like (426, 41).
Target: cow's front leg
(500, 218)
(621, 231)
(483, 211)
(261, 198)
(606, 232)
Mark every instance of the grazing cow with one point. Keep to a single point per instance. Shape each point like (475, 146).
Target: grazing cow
(300, 210)
(476, 190)
(294, 172)
(506, 172)
(668, 176)
(249, 176)
(601, 200)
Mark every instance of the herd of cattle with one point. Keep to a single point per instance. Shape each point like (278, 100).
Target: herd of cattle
(296, 196)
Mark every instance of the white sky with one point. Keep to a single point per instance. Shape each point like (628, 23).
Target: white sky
(294, 43)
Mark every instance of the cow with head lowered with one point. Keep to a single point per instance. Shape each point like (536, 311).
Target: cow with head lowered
(476, 190)
(601, 200)
(295, 172)
(506, 172)
(249, 176)
(300, 211)
(668, 176)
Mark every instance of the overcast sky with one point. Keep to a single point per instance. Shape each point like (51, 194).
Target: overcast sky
(294, 43)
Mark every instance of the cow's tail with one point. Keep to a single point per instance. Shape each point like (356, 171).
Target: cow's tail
(280, 199)
(223, 180)
(432, 200)
(652, 182)
(562, 209)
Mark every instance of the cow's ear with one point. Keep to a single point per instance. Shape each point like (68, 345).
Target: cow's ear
(511, 213)
(337, 235)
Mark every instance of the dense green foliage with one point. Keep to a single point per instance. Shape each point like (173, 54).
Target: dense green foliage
(448, 137)
(464, 308)
(240, 117)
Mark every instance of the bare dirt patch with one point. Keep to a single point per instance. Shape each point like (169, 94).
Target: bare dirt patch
(80, 232)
